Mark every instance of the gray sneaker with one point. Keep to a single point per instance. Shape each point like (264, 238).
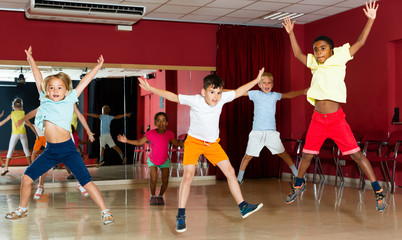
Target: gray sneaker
(296, 191)
(380, 202)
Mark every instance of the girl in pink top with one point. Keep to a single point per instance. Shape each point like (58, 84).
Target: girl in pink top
(159, 139)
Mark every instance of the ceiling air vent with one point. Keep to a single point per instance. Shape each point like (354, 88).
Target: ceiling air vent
(84, 12)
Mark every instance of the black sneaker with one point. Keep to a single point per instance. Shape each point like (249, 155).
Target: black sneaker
(153, 201)
(249, 209)
(240, 182)
(380, 202)
(160, 200)
(181, 223)
(295, 192)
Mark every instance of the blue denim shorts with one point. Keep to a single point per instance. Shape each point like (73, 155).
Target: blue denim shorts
(55, 153)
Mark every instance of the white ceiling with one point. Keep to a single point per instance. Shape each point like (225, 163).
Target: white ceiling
(238, 12)
(248, 12)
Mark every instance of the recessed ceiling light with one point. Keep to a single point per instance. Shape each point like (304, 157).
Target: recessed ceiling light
(281, 15)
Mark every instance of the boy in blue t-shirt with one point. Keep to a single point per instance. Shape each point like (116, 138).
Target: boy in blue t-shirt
(264, 127)
(105, 137)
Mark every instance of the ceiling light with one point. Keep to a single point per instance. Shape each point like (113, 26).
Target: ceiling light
(281, 15)
(20, 80)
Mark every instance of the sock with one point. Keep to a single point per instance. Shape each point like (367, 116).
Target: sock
(299, 182)
(294, 170)
(23, 209)
(39, 190)
(121, 156)
(376, 186)
(240, 176)
(106, 210)
(101, 159)
(181, 212)
(242, 204)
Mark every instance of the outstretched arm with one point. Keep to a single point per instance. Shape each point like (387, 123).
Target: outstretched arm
(289, 25)
(84, 123)
(163, 93)
(371, 13)
(123, 139)
(35, 70)
(293, 94)
(177, 143)
(5, 120)
(92, 115)
(30, 115)
(29, 124)
(89, 76)
(244, 89)
(122, 116)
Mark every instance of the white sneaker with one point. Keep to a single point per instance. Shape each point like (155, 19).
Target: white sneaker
(83, 191)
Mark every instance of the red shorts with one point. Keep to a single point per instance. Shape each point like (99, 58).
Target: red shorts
(334, 126)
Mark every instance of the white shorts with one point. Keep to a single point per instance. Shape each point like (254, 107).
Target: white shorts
(258, 139)
(106, 139)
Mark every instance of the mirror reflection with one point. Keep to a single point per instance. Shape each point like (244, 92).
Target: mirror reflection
(112, 106)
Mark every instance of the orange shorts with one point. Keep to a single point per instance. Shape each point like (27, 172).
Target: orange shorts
(39, 142)
(194, 147)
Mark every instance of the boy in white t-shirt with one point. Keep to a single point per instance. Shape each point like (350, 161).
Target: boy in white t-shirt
(264, 132)
(203, 138)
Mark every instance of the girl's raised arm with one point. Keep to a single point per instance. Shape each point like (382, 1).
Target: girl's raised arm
(89, 76)
(35, 70)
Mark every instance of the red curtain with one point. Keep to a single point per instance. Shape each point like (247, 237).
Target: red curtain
(242, 51)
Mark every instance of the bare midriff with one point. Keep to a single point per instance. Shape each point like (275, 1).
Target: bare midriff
(326, 106)
(54, 133)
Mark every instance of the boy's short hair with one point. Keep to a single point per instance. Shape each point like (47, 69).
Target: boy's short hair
(106, 109)
(326, 39)
(62, 76)
(214, 81)
(161, 113)
(17, 103)
(267, 74)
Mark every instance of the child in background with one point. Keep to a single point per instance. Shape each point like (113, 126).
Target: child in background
(105, 137)
(158, 157)
(203, 138)
(326, 93)
(264, 125)
(17, 133)
(54, 115)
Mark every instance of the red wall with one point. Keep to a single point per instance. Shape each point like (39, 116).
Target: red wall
(150, 42)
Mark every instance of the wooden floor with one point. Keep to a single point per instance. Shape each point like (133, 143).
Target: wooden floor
(323, 212)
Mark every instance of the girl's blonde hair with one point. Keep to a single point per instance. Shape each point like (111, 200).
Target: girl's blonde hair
(62, 76)
(17, 103)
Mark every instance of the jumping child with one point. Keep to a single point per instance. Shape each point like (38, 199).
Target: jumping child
(264, 127)
(54, 115)
(105, 137)
(17, 133)
(203, 138)
(326, 93)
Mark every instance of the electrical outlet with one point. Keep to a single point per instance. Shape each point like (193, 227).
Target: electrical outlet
(342, 162)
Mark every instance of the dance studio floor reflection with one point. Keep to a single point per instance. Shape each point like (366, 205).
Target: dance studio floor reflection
(323, 212)
(116, 172)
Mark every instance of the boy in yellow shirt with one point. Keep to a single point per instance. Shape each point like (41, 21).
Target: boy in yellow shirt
(327, 91)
